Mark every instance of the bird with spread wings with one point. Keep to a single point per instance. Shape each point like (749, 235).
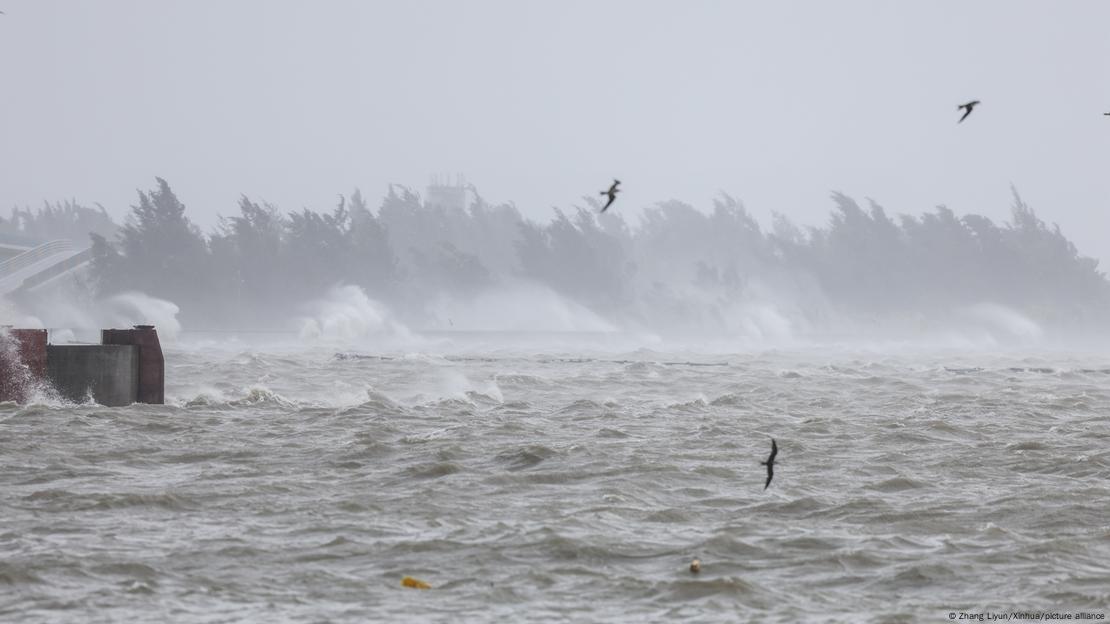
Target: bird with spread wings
(970, 105)
(770, 463)
(612, 193)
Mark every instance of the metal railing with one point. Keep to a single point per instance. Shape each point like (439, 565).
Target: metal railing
(55, 270)
(28, 258)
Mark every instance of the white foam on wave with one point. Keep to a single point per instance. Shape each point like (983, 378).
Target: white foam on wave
(347, 315)
(18, 377)
(452, 383)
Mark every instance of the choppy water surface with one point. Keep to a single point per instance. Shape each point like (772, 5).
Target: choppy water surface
(290, 485)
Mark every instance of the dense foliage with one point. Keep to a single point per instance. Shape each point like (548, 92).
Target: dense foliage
(679, 267)
(54, 221)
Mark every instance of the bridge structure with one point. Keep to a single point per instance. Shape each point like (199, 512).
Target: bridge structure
(36, 266)
(8, 251)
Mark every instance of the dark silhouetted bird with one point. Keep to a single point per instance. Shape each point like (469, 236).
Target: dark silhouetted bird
(970, 105)
(770, 463)
(612, 193)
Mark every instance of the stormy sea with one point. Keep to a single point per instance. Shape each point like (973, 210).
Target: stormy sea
(565, 482)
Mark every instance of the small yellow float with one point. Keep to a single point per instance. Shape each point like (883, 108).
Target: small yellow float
(410, 582)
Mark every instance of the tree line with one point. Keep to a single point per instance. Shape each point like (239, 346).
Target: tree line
(679, 266)
(66, 219)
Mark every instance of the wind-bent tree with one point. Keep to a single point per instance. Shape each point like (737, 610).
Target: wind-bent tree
(680, 268)
(162, 253)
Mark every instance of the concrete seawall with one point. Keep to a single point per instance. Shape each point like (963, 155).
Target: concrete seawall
(108, 373)
(128, 367)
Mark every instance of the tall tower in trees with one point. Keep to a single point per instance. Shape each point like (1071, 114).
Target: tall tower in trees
(442, 193)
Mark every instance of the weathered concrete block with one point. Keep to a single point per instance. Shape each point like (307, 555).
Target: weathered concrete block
(109, 372)
(152, 366)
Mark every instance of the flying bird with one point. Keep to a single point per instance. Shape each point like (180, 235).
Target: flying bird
(970, 105)
(612, 193)
(770, 463)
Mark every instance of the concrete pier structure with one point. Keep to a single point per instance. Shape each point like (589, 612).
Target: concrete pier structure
(152, 366)
(128, 367)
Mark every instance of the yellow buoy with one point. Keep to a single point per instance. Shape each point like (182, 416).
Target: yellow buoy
(695, 566)
(408, 581)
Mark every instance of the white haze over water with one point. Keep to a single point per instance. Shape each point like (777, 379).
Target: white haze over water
(517, 307)
(528, 315)
(1004, 325)
(535, 317)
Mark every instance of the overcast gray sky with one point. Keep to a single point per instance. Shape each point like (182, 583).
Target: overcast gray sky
(776, 103)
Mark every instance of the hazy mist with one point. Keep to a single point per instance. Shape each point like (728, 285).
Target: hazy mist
(451, 262)
(285, 105)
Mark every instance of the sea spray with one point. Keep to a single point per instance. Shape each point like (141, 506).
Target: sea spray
(15, 376)
(17, 380)
(1003, 323)
(136, 308)
(69, 319)
(346, 314)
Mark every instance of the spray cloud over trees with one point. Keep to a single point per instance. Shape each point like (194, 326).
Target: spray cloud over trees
(680, 271)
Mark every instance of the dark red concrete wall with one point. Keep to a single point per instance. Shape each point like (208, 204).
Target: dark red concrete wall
(152, 366)
(22, 362)
(11, 370)
(32, 350)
